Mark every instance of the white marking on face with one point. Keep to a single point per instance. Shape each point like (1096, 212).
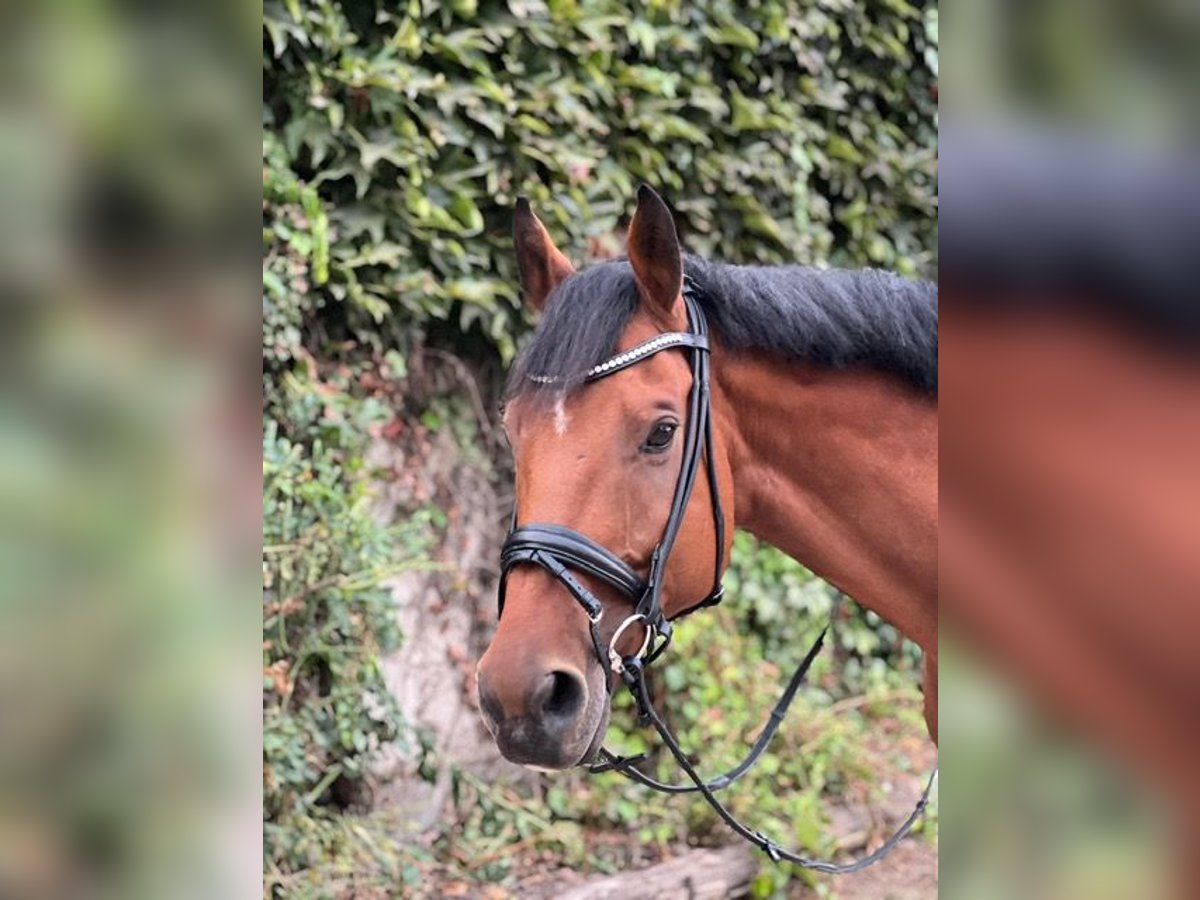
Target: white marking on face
(560, 416)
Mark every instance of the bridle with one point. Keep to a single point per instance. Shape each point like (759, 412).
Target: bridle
(558, 549)
(561, 550)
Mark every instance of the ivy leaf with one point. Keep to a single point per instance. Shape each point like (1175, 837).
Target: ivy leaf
(733, 34)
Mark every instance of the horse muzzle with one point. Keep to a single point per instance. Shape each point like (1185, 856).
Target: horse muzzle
(555, 720)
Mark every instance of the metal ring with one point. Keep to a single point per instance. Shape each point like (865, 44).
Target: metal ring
(614, 658)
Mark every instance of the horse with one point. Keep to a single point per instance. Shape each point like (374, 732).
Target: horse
(823, 442)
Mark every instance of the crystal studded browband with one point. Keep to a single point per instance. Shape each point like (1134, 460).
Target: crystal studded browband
(634, 355)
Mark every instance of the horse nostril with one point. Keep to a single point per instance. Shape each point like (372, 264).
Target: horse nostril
(561, 696)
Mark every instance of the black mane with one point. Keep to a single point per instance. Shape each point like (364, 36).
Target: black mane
(835, 318)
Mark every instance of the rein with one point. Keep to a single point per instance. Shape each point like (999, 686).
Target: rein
(559, 550)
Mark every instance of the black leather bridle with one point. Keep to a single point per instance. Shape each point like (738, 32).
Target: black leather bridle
(558, 549)
(561, 550)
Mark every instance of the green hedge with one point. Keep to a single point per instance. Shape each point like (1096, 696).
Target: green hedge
(781, 132)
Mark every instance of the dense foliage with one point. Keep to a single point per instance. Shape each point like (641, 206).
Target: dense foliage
(327, 617)
(395, 140)
(795, 131)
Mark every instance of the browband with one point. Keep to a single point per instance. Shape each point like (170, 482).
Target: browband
(635, 355)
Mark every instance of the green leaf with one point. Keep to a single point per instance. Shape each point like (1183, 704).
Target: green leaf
(840, 148)
(733, 34)
(463, 208)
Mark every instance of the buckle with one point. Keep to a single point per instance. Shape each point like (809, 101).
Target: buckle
(616, 763)
(767, 846)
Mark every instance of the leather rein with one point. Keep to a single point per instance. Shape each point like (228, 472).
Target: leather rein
(560, 551)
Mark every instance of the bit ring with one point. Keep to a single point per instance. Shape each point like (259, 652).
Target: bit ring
(614, 658)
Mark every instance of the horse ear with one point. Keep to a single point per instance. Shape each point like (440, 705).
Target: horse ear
(540, 264)
(655, 255)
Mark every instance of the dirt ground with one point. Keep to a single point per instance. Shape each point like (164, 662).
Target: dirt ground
(910, 872)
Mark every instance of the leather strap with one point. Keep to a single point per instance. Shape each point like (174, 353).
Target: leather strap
(625, 764)
(575, 550)
(634, 675)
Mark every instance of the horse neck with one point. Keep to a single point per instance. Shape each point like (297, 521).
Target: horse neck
(838, 470)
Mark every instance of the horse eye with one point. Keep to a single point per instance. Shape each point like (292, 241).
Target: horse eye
(660, 437)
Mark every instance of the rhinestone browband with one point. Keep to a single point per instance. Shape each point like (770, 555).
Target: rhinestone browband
(633, 355)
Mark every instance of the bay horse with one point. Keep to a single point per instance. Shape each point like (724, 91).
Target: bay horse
(824, 443)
